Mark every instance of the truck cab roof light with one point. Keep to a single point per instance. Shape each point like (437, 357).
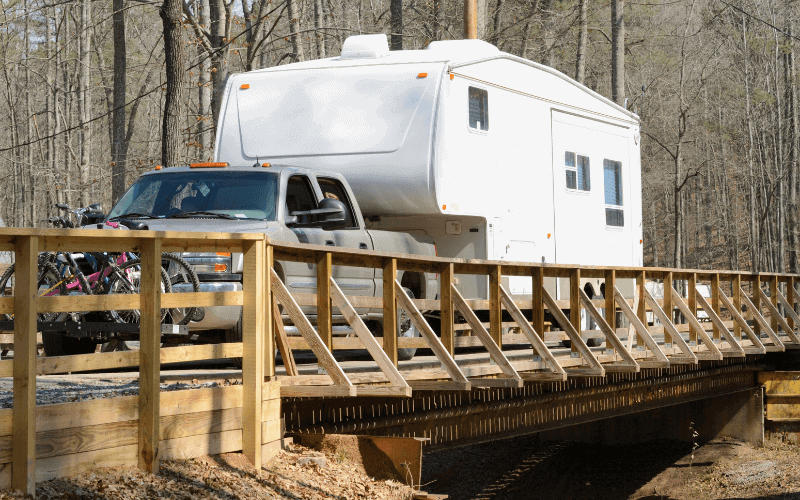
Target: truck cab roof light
(209, 164)
(422, 75)
(159, 167)
(266, 165)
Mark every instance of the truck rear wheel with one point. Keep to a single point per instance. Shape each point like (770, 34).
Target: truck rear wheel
(406, 328)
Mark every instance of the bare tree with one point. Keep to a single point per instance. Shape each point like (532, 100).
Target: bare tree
(618, 51)
(172, 15)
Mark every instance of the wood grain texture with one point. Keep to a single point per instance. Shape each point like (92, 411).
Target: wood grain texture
(283, 341)
(390, 310)
(253, 275)
(755, 313)
(495, 309)
(722, 330)
(641, 330)
(695, 325)
(24, 420)
(669, 326)
(211, 444)
(150, 356)
(69, 465)
(611, 336)
(739, 321)
(447, 314)
(573, 334)
(777, 318)
(324, 272)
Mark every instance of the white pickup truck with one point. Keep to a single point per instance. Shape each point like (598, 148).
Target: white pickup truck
(287, 203)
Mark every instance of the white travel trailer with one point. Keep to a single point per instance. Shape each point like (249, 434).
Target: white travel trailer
(494, 156)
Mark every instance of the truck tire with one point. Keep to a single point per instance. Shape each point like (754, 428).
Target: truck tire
(235, 335)
(406, 328)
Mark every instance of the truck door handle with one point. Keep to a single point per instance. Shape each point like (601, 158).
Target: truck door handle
(362, 246)
(330, 243)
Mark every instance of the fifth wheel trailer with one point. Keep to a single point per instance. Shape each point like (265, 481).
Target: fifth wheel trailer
(494, 156)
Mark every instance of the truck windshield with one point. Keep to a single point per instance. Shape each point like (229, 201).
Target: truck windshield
(231, 194)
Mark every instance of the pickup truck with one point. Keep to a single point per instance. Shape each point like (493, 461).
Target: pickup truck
(287, 203)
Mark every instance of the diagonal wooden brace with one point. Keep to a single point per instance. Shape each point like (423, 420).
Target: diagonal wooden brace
(737, 317)
(773, 311)
(761, 320)
(789, 309)
(478, 329)
(448, 363)
(308, 332)
(573, 334)
(611, 336)
(669, 327)
(531, 334)
(694, 324)
(712, 314)
(641, 329)
(374, 349)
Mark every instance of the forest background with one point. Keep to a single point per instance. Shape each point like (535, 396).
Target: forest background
(84, 91)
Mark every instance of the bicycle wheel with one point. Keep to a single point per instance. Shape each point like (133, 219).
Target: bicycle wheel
(49, 282)
(127, 279)
(183, 279)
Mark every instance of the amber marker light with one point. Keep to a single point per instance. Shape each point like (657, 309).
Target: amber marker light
(266, 165)
(444, 207)
(452, 76)
(245, 86)
(220, 268)
(422, 75)
(549, 235)
(224, 254)
(159, 167)
(209, 164)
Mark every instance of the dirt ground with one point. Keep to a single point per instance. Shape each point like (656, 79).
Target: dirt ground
(526, 468)
(228, 476)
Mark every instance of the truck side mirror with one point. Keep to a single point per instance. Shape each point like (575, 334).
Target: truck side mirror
(335, 214)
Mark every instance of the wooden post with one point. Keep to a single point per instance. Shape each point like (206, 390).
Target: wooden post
(446, 304)
(668, 306)
(755, 284)
(736, 292)
(253, 347)
(324, 323)
(390, 310)
(692, 304)
(790, 299)
(269, 320)
(537, 299)
(495, 308)
(773, 297)
(24, 413)
(715, 303)
(610, 277)
(641, 313)
(150, 355)
(575, 302)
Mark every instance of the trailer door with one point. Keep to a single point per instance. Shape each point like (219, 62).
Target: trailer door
(591, 192)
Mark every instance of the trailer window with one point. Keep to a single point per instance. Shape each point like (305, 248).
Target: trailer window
(577, 171)
(612, 177)
(478, 109)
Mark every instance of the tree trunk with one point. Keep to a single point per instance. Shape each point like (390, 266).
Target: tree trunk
(549, 37)
(294, 30)
(482, 9)
(171, 15)
(396, 8)
(794, 144)
(118, 149)
(204, 90)
(753, 220)
(219, 60)
(319, 16)
(618, 51)
(583, 42)
(438, 19)
(498, 21)
(84, 103)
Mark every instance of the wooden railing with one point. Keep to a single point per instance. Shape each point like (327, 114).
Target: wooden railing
(28, 433)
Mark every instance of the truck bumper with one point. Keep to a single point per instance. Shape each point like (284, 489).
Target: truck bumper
(214, 318)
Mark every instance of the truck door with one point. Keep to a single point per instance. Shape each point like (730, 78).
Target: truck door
(352, 280)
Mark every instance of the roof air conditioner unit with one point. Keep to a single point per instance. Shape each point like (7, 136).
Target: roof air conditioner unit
(365, 47)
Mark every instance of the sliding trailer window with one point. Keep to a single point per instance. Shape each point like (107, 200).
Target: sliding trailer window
(612, 177)
(577, 169)
(478, 109)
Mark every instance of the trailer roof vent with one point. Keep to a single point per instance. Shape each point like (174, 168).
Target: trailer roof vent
(365, 47)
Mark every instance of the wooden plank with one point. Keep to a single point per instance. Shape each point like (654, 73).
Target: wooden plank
(440, 385)
(669, 309)
(497, 382)
(272, 430)
(610, 334)
(198, 352)
(67, 303)
(24, 384)
(715, 306)
(253, 320)
(70, 465)
(740, 321)
(773, 300)
(641, 330)
(211, 444)
(447, 313)
(198, 299)
(790, 292)
(641, 306)
(610, 278)
(495, 310)
(390, 310)
(777, 318)
(696, 326)
(283, 341)
(638, 297)
(271, 408)
(488, 340)
(324, 356)
(533, 337)
(575, 302)
(200, 423)
(669, 326)
(573, 334)
(755, 283)
(537, 301)
(150, 356)
(324, 325)
(317, 391)
(691, 305)
(374, 349)
(448, 363)
(721, 328)
(736, 288)
(383, 391)
(271, 390)
(199, 400)
(760, 321)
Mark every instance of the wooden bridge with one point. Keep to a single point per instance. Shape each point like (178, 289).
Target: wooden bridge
(518, 369)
